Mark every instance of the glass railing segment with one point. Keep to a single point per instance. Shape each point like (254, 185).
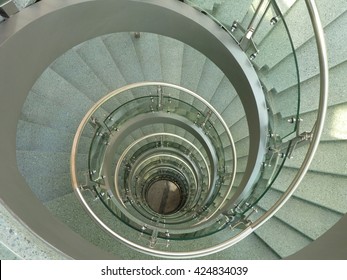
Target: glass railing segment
(257, 34)
(125, 203)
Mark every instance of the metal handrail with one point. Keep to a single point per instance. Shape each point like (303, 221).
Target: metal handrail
(131, 244)
(323, 63)
(311, 6)
(151, 136)
(318, 129)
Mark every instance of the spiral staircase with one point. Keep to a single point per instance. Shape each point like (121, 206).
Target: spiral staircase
(182, 125)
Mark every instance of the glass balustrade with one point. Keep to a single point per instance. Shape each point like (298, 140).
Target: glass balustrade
(161, 142)
(125, 163)
(251, 33)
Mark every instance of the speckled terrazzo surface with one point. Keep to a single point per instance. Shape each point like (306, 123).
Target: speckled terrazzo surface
(17, 242)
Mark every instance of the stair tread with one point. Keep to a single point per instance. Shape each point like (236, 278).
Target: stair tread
(334, 126)
(35, 137)
(300, 27)
(307, 218)
(265, 28)
(250, 248)
(95, 54)
(54, 102)
(121, 47)
(238, 178)
(229, 11)
(73, 69)
(192, 67)
(329, 158)
(225, 91)
(242, 147)
(239, 130)
(234, 112)
(327, 190)
(310, 92)
(148, 53)
(209, 81)
(69, 210)
(37, 163)
(50, 188)
(241, 164)
(206, 5)
(281, 238)
(308, 67)
(171, 55)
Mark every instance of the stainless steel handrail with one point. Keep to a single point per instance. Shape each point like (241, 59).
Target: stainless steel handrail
(10, 162)
(318, 127)
(323, 62)
(78, 192)
(123, 155)
(317, 132)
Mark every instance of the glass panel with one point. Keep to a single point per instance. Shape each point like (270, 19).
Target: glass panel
(278, 71)
(203, 201)
(272, 53)
(129, 208)
(270, 44)
(272, 166)
(275, 79)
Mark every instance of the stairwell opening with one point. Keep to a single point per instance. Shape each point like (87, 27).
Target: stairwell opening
(164, 197)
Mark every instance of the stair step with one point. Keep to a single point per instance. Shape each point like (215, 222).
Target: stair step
(46, 164)
(250, 13)
(300, 27)
(55, 103)
(242, 147)
(283, 239)
(206, 5)
(335, 125)
(73, 69)
(42, 112)
(192, 68)
(234, 112)
(299, 22)
(96, 55)
(148, 53)
(122, 50)
(238, 178)
(171, 55)
(69, 210)
(238, 251)
(209, 81)
(310, 219)
(48, 188)
(239, 130)
(222, 97)
(265, 28)
(310, 92)
(329, 158)
(250, 248)
(309, 67)
(229, 11)
(327, 190)
(241, 164)
(35, 137)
